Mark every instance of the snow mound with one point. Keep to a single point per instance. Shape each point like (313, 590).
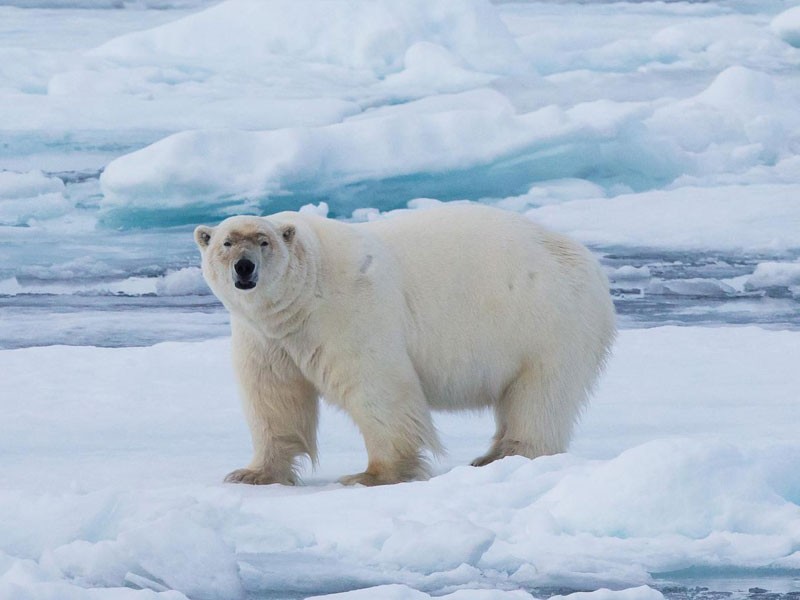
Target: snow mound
(787, 26)
(630, 273)
(27, 185)
(354, 34)
(184, 282)
(93, 278)
(739, 121)
(474, 145)
(403, 592)
(696, 287)
(732, 217)
(687, 457)
(638, 593)
(30, 196)
(774, 274)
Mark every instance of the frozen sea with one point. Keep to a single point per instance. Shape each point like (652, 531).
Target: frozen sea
(664, 135)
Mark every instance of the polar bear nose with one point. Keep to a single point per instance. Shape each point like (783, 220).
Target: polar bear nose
(244, 268)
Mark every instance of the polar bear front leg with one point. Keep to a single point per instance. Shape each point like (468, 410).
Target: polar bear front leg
(393, 416)
(281, 407)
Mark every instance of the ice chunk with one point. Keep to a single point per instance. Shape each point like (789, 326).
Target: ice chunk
(553, 192)
(203, 566)
(28, 185)
(735, 217)
(643, 592)
(26, 197)
(740, 120)
(630, 273)
(787, 26)
(403, 592)
(367, 36)
(436, 546)
(321, 209)
(774, 274)
(430, 68)
(692, 287)
(184, 282)
(716, 478)
(382, 159)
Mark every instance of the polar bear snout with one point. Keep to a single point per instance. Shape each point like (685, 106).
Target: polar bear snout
(246, 276)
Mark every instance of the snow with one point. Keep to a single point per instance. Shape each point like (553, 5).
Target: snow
(28, 196)
(774, 274)
(368, 36)
(727, 217)
(474, 130)
(787, 26)
(403, 592)
(686, 458)
(662, 134)
(183, 282)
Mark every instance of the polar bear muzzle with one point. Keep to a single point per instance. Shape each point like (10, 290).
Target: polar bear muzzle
(246, 275)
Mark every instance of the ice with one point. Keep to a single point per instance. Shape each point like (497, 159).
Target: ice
(629, 273)
(735, 217)
(360, 36)
(691, 287)
(552, 192)
(738, 121)
(28, 185)
(473, 150)
(686, 458)
(473, 137)
(662, 134)
(787, 26)
(184, 282)
(638, 593)
(25, 197)
(403, 592)
(435, 547)
(522, 105)
(774, 274)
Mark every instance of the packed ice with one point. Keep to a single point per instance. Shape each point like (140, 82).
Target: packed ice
(664, 135)
(686, 459)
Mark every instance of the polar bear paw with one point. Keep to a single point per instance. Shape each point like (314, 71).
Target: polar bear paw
(367, 479)
(254, 477)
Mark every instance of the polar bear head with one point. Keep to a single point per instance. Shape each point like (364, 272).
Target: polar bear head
(247, 259)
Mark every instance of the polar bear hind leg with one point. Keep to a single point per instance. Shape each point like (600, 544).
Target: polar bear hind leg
(535, 415)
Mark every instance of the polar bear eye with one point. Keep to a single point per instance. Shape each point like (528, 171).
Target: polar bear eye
(227, 244)
(264, 244)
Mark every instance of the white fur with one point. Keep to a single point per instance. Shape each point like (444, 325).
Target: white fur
(462, 306)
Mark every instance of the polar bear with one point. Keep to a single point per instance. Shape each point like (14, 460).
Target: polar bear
(462, 306)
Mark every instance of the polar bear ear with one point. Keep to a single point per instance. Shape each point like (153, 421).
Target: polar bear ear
(202, 235)
(287, 232)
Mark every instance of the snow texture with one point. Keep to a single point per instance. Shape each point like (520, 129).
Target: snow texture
(687, 458)
(787, 26)
(663, 134)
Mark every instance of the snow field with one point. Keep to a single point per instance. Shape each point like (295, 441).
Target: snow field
(662, 131)
(744, 218)
(388, 102)
(686, 458)
(501, 130)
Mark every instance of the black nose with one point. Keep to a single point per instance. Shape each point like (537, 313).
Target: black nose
(244, 268)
